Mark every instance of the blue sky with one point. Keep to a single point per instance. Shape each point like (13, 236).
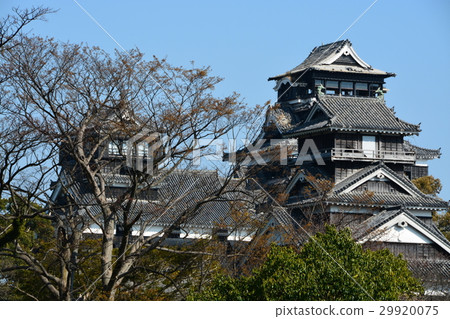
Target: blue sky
(247, 41)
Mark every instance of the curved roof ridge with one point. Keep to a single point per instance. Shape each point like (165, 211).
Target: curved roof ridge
(326, 57)
(324, 48)
(422, 152)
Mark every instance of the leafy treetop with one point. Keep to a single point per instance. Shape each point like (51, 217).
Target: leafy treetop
(313, 274)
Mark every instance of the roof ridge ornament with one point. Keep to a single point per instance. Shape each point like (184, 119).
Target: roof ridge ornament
(380, 94)
(319, 90)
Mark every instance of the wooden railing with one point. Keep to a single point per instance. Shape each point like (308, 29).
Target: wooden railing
(347, 153)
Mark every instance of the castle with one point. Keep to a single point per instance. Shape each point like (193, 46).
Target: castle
(348, 160)
(345, 161)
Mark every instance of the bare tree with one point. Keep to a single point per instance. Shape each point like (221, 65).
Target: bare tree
(76, 106)
(12, 25)
(24, 160)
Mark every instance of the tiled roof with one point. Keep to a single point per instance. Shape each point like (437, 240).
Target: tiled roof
(386, 200)
(288, 119)
(366, 171)
(306, 170)
(321, 58)
(178, 192)
(416, 200)
(209, 215)
(360, 114)
(188, 188)
(117, 179)
(282, 119)
(364, 113)
(419, 200)
(372, 223)
(317, 125)
(320, 53)
(429, 270)
(421, 152)
(289, 225)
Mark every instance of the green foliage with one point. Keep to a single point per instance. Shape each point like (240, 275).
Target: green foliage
(9, 231)
(172, 273)
(312, 274)
(169, 274)
(14, 218)
(428, 185)
(34, 235)
(12, 232)
(14, 213)
(433, 186)
(3, 204)
(443, 223)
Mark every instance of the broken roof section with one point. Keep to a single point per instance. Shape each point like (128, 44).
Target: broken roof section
(334, 57)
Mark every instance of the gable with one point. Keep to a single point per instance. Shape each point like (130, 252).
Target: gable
(402, 234)
(316, 113)
(345, 53)
(337, 56)
(404, 228)
(346, 60)
(299, 178)
(380, 186)
(364, 114)
(382, 175)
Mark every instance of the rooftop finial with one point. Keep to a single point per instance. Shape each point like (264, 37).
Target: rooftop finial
(380, 94)
(319, 89)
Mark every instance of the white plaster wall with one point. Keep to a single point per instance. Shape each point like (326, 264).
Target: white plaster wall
(397, 234)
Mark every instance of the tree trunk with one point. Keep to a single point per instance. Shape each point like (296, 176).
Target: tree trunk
(107, 250)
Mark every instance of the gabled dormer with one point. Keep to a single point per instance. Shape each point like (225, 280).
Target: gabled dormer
(331, 69)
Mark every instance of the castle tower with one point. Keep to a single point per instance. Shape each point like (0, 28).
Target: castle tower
(333, 102)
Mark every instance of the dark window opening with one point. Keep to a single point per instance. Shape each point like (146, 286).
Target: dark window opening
(346, 88)
(332, 87)
(361, 89)
(282, 91)
(175, 233)
(373, 88)
(222, 234)
(319, 82)
(120, 230)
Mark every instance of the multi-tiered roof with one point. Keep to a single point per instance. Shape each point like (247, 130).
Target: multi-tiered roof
(336, 100)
